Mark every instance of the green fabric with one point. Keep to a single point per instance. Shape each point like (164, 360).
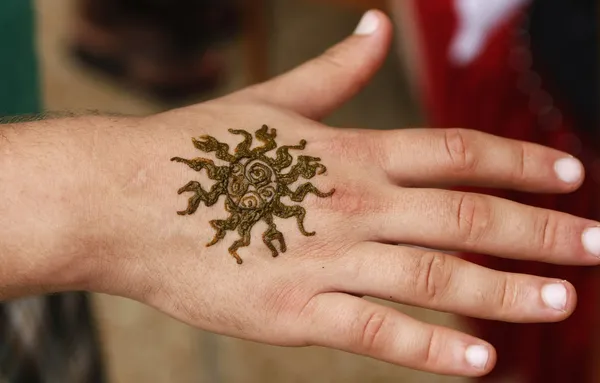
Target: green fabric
(19, 80)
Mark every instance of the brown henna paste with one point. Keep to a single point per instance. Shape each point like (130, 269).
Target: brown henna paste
(253, 185)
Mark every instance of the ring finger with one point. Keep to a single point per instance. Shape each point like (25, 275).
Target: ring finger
(446, 283)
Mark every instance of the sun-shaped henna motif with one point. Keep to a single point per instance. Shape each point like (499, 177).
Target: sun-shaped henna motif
(253, 184)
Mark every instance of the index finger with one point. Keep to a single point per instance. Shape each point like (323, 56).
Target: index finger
(453, 157)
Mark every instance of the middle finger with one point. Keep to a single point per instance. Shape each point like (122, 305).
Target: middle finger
(451, 220)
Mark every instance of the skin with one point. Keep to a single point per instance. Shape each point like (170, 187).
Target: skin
(88, 203)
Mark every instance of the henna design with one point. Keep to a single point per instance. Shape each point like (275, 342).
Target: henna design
(253, 185)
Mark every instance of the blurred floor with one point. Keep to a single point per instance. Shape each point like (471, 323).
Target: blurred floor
(145, 346)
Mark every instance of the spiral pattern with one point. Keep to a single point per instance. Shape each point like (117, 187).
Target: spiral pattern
(251, 201)
(258, 173)
(237, 186)
(267, 193)
(237, 169)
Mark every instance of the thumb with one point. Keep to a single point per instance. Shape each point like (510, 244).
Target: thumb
(323, 84)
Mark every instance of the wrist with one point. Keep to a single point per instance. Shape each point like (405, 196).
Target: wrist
(136, 204)
(47, 208)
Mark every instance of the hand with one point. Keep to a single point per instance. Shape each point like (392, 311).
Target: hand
(384, 194)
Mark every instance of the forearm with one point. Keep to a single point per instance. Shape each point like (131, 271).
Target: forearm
(48, 182)
(82, 196)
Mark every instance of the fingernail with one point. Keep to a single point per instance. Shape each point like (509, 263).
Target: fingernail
(368, 24)
(554, 296)
(477, 356)
(569, 170)
(591, 240)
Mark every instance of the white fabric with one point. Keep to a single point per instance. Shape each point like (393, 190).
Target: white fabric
(477, 19)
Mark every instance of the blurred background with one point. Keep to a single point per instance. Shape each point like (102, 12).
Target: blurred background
(144, 56)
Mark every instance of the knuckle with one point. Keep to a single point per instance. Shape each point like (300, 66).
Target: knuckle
(347, 200)
(520, 171)
(355, 199)
(432, 276)
(371, 336)
(432, 353)
(473, 217)
(282, 299)
(360, 146)
(334, 57)
(460, 156)
(377, 147)
(508, 294)
(545, 230)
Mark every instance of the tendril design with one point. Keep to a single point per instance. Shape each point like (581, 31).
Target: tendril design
(253, 184)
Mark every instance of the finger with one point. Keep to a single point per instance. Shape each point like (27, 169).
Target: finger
(358, 326)
(460, 221)
(320, 86)
(442, 282)
(451, 157)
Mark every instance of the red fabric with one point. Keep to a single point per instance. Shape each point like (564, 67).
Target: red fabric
(484, 95)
